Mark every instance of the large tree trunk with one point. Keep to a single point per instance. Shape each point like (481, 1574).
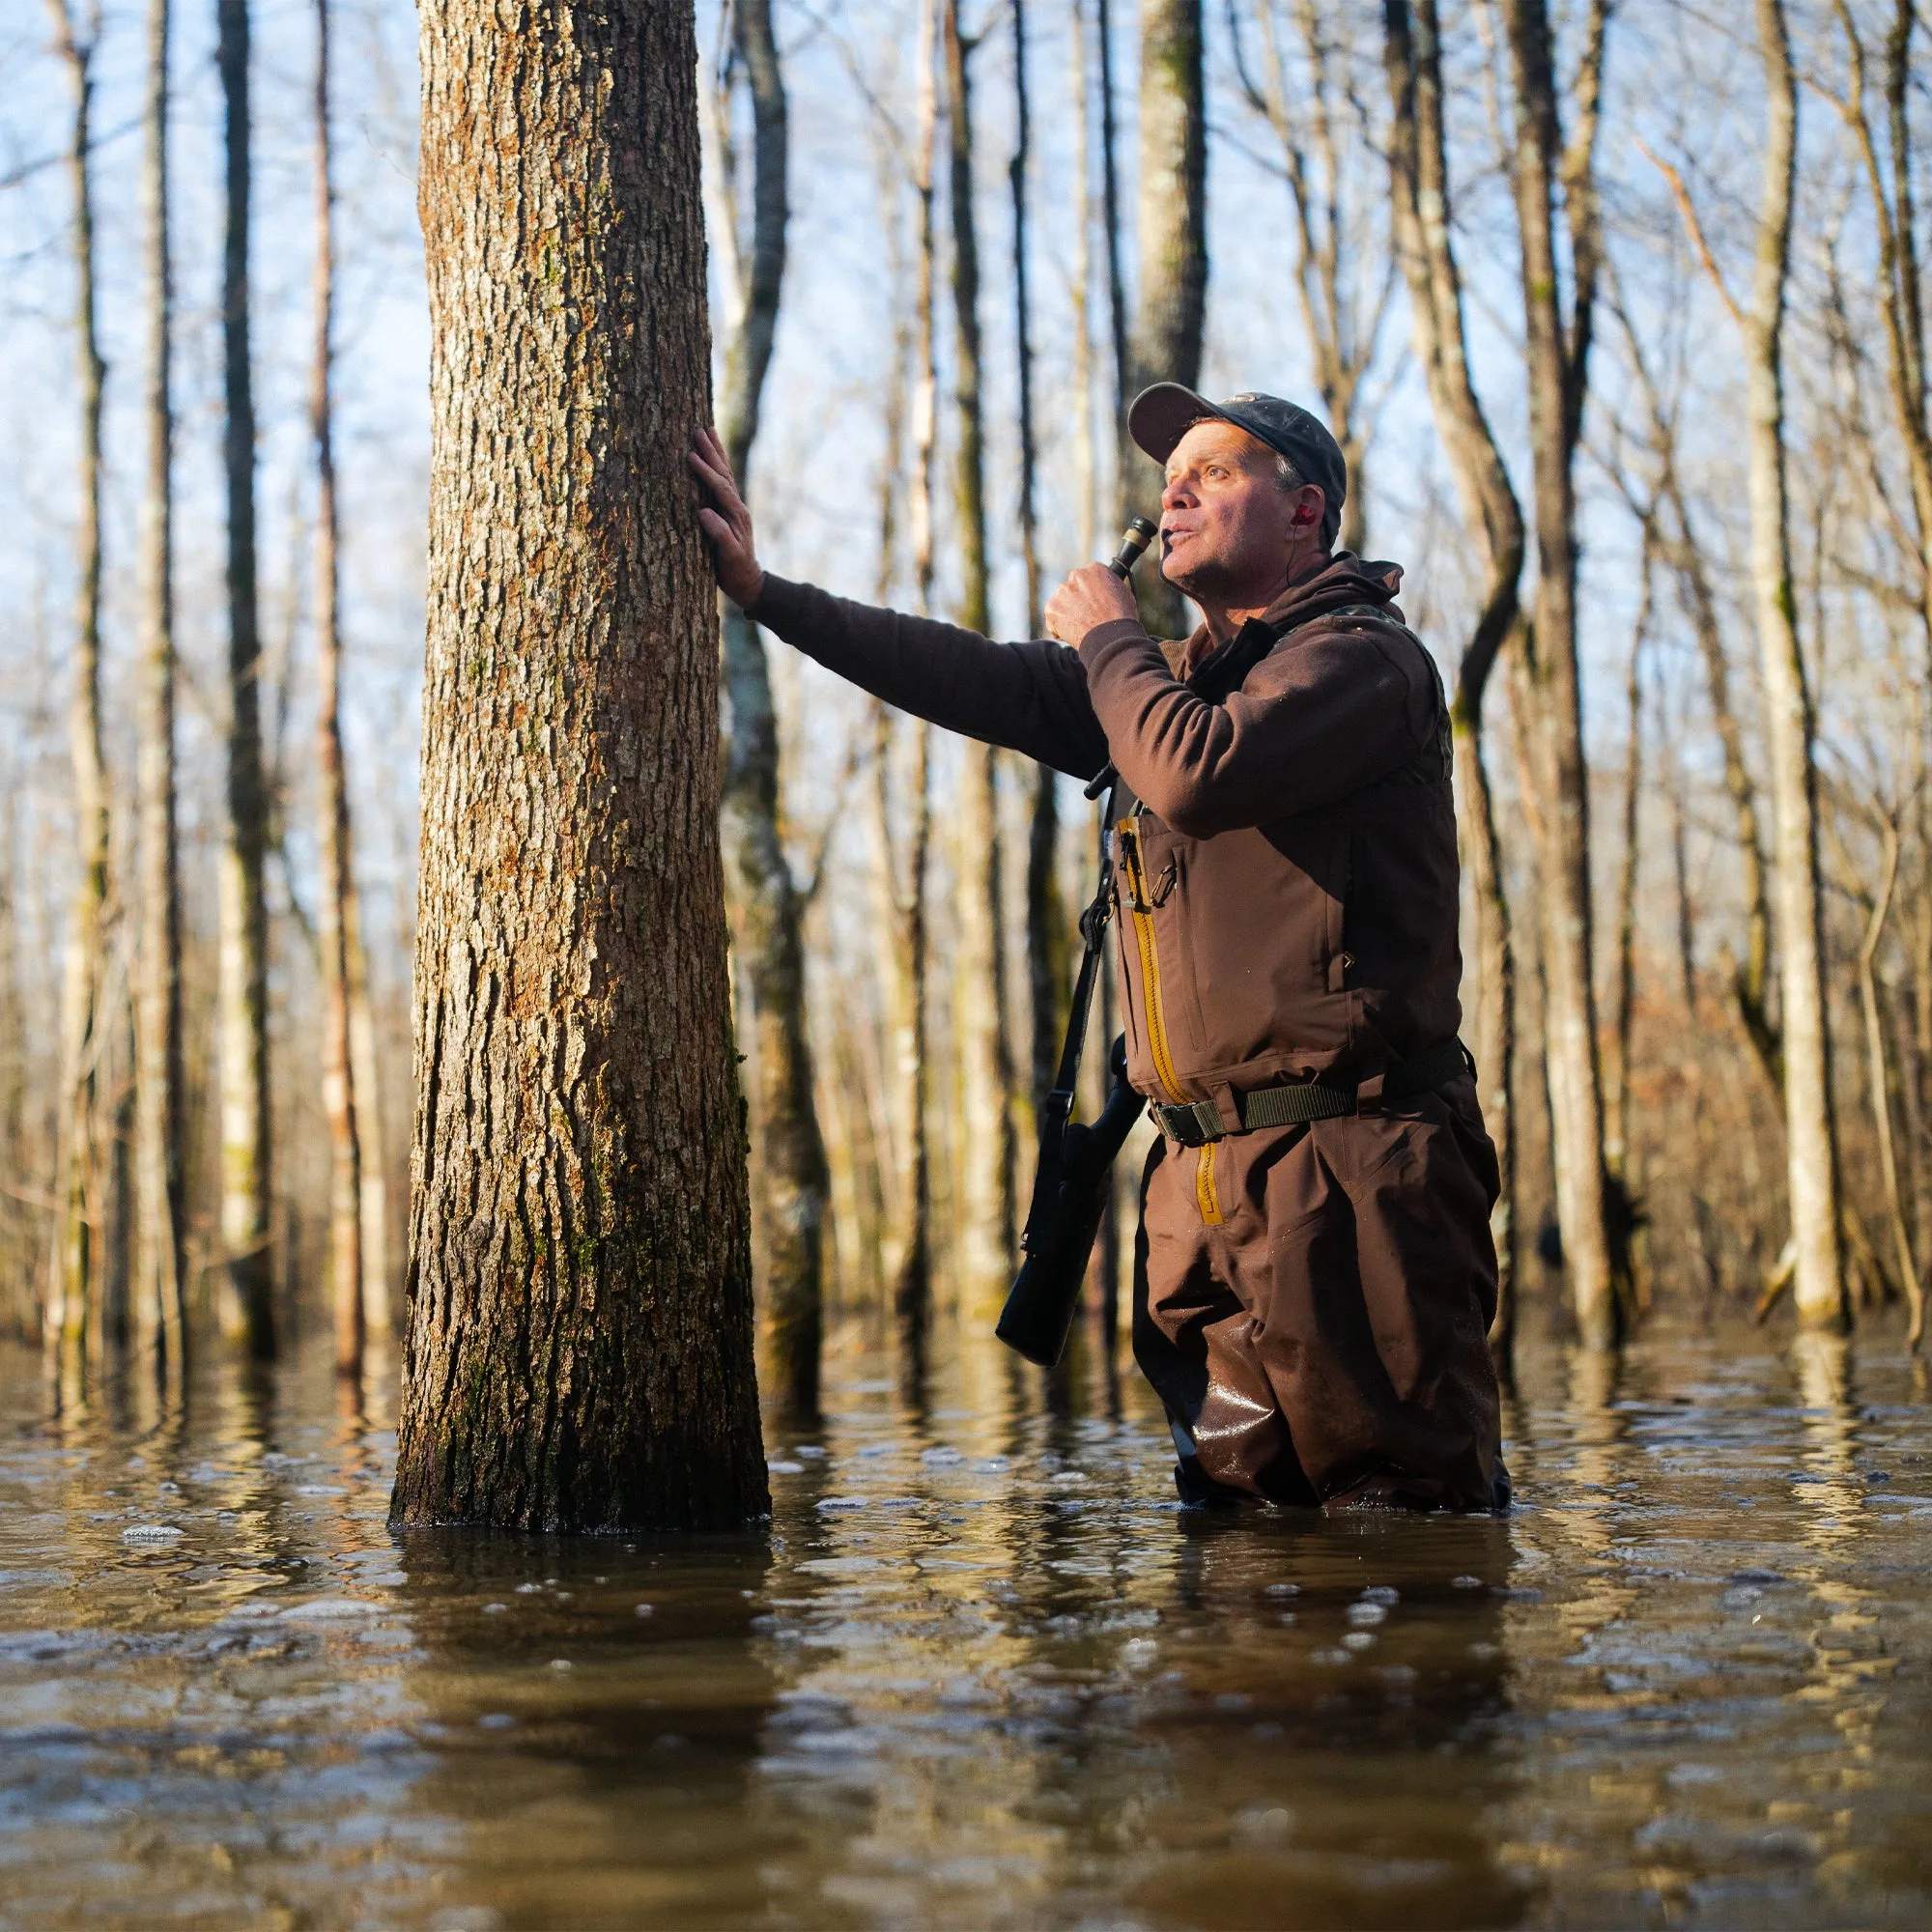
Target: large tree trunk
(248, 1307)
(790, 1181)
(1171, 311)
(340, 1100)
(74, 1289)
(160, 1278)
(1811, 1142)
(983, 1029)
(1418, 152)
(580, 1324)
(1546, 679)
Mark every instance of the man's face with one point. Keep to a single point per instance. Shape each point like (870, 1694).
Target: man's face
(1227, 526)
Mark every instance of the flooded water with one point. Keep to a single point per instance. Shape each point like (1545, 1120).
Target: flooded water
(983, 1672)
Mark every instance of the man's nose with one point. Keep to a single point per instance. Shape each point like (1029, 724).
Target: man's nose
(1178, 493)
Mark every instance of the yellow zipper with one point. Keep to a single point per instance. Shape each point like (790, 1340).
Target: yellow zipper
(1206, 1197)
(1142, 913)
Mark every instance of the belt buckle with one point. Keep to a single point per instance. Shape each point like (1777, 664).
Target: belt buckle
(1192, 1124)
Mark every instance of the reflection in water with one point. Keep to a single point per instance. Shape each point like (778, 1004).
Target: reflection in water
(982, 1671)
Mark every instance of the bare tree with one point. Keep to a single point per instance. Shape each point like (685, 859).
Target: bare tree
(1171, 304)
(1344, 275)
(1546, 679)
(791, 1182)
(1811, 1138)
(1879, 1072)
(339, 1096)
(581, 1320)
(1046, 909)
(1423, 207)
(984, 1024)
(160, 1278)
(912, 1276)
(74, 1290)
(249, 1309)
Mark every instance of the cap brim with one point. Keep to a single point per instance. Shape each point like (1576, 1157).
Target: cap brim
(1160, 415)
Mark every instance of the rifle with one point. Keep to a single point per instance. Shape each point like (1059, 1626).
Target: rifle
(1072, 1182)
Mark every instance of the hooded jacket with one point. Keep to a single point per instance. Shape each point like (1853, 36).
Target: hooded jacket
(1286, 887)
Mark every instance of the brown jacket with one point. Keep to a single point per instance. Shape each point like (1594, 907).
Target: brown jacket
(1287, 886)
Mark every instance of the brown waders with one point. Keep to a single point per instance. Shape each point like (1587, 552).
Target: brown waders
(1324, 1340)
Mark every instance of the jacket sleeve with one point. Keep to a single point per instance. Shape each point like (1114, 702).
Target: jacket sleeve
(1030, 699)
(1334, 707)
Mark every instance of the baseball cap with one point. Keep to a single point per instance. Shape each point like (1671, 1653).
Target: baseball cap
(1159, 417)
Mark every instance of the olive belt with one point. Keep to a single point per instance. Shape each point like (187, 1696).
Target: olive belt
(1199, 1121)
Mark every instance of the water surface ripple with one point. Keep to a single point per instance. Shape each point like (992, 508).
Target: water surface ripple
(983, 1672)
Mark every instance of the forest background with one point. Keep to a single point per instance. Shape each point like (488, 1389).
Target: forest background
(1675, 817)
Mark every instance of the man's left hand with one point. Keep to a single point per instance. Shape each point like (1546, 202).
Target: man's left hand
(1093, 595)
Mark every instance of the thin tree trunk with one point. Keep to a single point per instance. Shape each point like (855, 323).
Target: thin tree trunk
(1086, 527)
(340, 1099)
(1171, 309)
(249, 1312)
(379, 1315)
(581, 1318)
(1680, 871)
(1682, 548)
(1110, 1244)
(1881, 1079)
(1326, 145)
(1110, 215)
(160, 1279)
(1422, 211)
(912, 1273)
(983, 1020)
(1046, 909)
(1623, 1001)
(74, 1289)
(1547, 675)
(793, 1182)
(1811, 1142)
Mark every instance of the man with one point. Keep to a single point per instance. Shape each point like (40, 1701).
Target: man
(1313, 1278)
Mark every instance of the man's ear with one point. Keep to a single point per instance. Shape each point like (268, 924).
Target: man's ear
(1308, 513)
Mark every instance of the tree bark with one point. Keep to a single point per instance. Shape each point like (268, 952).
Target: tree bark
(983, 1021)
(1421, 222)
(581, 1323)
(76, 1285)
(340, 1100)
(1818, 1284)
(161, 1282)
(249, 1309)
(1547, 677)
(1170, 311)
(792, 1182)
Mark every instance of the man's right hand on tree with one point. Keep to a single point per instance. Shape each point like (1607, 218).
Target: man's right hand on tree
(728, 524)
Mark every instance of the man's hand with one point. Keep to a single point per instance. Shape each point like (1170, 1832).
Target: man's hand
(1093, 595)
(730, 525)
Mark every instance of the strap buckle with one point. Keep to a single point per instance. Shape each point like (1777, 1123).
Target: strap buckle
(1192, 1124)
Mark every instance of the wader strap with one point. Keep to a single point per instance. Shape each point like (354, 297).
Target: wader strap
(1196, 1125)
(1056, 1109)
